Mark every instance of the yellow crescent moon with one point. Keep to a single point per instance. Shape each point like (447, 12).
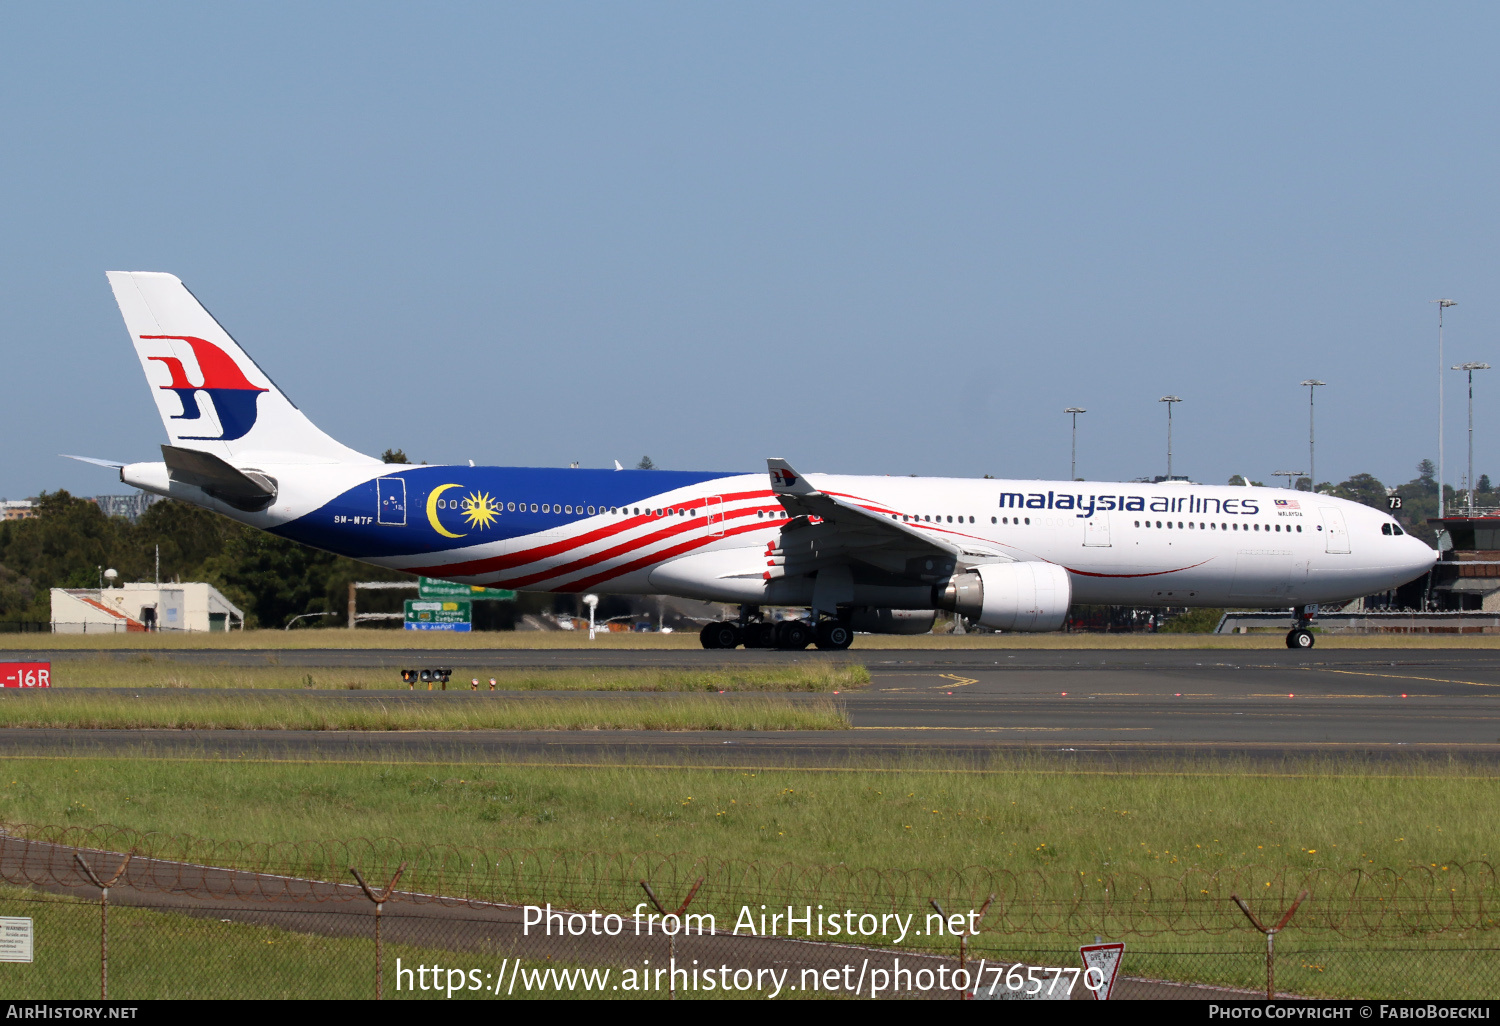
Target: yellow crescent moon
(432, 511)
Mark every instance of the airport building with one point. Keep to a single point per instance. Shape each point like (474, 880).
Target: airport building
(193, 606)
(1467, 576)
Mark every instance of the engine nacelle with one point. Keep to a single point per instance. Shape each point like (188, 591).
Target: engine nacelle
(892, 621)
(1009, 596)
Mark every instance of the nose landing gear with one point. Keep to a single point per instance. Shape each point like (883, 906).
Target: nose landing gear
(1299, 636)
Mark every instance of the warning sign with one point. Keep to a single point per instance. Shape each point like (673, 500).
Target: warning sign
(1100, 964)
(15, 939)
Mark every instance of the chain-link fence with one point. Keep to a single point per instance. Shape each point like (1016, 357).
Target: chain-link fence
(161, 916)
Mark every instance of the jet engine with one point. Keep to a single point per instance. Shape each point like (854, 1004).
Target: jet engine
(1009, 596)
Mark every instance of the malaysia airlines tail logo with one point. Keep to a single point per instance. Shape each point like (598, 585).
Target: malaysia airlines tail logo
(785, 478)
(232, 395)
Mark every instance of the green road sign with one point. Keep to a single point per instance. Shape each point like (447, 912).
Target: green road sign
(438, 615)
(429, 588)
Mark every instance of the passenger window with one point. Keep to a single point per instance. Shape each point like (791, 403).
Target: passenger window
(1299, 528)
(992, 520)
(1137, 523)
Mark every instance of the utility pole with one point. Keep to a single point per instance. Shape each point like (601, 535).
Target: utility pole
(1075, 411)
(1312, 463)
(1442, 304)
(1169, 400)
(1471, 368)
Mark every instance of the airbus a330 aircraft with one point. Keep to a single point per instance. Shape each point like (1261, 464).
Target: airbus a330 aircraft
(877, 554)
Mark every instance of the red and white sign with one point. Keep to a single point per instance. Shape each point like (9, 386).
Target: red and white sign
(25, 675)
(1100, 964)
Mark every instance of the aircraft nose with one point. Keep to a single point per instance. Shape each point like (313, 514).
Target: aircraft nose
(1423, 556)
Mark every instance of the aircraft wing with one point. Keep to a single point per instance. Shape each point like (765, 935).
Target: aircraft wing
(826, 530)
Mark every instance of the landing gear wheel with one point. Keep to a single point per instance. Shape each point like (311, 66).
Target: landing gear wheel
(1299, 637)
(833, 636)
(758, 635)
(793, 635)
(720, 635)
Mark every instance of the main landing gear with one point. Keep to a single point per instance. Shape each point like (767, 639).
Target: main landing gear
(1299, 636)
(829, 634)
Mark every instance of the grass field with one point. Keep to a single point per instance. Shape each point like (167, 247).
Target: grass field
(143, 670)
(301, 711)
(1048, 824)
(417, 641)
(1016, 812)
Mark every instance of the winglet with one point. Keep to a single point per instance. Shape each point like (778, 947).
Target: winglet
(785, 480)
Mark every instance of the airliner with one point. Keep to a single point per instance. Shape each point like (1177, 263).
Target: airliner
(858, 553)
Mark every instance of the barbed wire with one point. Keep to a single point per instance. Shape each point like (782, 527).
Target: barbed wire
(1412, 900)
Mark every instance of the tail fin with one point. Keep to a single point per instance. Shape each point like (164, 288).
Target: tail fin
(211, 395)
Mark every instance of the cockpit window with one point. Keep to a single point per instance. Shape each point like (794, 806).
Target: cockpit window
(1385, 529)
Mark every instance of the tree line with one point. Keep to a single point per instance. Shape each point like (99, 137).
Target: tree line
(70, 542)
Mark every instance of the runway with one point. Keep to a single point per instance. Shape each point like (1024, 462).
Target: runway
(1083, 705)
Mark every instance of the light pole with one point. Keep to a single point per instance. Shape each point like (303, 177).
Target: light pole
(1075, 411)
(1312, 464)
(1169, 400)
(1471, 368)
(1442, 304)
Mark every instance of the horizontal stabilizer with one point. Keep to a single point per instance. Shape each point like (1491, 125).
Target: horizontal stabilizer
(242, 489)
(112, 464)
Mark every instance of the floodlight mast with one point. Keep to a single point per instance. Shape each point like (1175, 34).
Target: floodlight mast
(1442, 304)
(1312, 463)
(1169, 400)
(1075, 411)
(1471, 368)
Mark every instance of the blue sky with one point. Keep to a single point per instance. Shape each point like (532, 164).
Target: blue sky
(870, 238)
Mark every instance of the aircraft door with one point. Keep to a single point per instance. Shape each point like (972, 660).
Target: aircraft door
(713, 506)
(1336, 534)
(1096, 530)
(390, 501)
